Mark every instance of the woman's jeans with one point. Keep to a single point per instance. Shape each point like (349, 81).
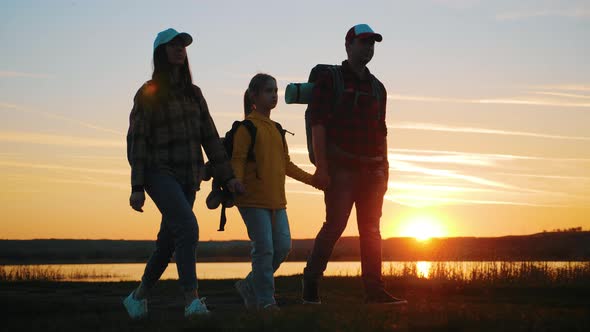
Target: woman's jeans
(271, 243)
(179, 232)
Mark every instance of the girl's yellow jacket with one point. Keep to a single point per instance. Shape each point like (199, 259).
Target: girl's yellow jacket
(264, 178)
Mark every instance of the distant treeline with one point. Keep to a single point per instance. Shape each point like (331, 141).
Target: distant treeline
(546, 246)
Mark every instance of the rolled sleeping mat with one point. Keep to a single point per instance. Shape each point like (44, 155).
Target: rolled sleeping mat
(298, 93)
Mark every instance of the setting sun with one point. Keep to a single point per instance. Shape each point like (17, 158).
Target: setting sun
(423, 228)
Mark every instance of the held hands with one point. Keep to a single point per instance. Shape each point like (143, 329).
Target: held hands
(321, 179)
(137, 200)
(235, 186)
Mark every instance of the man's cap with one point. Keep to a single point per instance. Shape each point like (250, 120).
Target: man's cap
(362, 31)
(167, 35)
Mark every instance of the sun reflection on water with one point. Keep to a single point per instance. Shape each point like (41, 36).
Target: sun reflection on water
(423, 269)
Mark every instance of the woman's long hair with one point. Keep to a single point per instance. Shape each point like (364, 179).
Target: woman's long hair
(256, 85)
(162, 75)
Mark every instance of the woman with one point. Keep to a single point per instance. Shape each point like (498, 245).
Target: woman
(168, 125)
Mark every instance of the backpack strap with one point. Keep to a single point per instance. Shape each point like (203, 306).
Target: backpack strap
(282, 132)
(252, 130)
(222, 219)
(377, 94)
(337, 84)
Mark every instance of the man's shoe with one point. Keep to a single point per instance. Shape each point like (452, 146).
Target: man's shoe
(246, 292)
(136, 309)
(196, 308)
(272, 307)
(310, 291)
(383, 297)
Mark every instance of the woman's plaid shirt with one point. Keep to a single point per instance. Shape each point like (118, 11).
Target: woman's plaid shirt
(167, 136)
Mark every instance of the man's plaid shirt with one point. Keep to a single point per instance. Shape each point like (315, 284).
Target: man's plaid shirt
(167, 136)
(357, 124)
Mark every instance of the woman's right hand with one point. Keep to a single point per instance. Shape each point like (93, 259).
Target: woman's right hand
(136, 200)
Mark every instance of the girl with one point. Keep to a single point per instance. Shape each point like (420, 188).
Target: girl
(263, 205)
(168, 124)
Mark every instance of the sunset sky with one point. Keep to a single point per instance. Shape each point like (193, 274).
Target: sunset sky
(488, 108)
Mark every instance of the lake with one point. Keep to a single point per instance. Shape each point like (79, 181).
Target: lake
(235, 270)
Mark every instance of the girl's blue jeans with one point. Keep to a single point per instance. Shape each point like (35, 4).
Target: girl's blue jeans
(271, 243)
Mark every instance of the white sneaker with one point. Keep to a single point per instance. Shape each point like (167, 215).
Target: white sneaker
(196, 308)
(136, 309)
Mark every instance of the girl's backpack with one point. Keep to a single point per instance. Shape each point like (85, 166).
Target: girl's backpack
(220, 195)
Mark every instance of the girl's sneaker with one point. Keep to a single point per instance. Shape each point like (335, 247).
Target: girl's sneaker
(196, 308)
(136, 309)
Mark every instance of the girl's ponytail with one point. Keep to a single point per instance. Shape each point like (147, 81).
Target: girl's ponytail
(248, 103)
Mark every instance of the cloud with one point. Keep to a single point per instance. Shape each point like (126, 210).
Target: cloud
(12, 74)
(496, 101)
(429, 99)
(489, 156)
(422, 201)
(510, 101)
(461, 159)
(291, 79)
(21, 191)
(56, 167)
(561, 94)
(8, 106)
(92, 183)
(411, 168)
(306, 192)
(298, 149)
(28, 178)
(566, 87)
(47, 139)
(116, 158)
(435, 188)
(447, 157)
(457, 4)
(59, 117)
(545, 176)
(237, 92)
(474, 130)
(581, 12)
(419, 186)
(443, 174)
(10, 154)
(280, 78)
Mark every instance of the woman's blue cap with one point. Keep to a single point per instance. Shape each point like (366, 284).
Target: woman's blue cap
(167, 35)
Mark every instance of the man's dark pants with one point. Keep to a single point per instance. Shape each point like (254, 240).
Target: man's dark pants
(364, 187)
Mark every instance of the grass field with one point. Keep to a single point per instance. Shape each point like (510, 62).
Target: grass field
(525, 301)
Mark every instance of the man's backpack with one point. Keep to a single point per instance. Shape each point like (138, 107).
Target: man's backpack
(220, 195)
(301, 93)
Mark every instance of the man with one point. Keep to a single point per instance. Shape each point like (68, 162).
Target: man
(350, 149)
